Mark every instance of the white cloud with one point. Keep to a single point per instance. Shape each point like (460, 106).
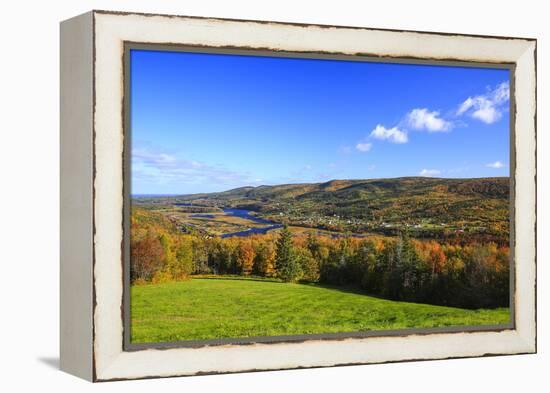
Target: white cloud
(501, 94)
(423, 119)
(488, 107)
(495, 165)
(363, 147)
(394, 134)
(481, 109)
(429, 172)
(155, 166)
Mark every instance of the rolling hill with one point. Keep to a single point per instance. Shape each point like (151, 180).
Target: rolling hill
(214, 308)
(431, 207)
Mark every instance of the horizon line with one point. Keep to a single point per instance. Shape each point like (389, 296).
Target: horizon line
(320, 182)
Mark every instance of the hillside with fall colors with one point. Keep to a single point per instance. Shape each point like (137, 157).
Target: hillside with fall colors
(341, 246)
(426, 207)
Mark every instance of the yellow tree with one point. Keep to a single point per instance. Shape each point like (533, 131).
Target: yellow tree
(264, 263)
(245, 257)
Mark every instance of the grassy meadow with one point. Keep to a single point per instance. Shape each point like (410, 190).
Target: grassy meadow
(231, 307)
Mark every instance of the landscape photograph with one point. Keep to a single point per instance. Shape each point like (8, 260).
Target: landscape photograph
(284, 196)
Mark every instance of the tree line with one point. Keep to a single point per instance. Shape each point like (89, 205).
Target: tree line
(472, 275)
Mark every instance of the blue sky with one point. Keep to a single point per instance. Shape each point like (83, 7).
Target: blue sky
(212, 122)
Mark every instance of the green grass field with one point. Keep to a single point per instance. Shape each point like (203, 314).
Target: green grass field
(204, 308)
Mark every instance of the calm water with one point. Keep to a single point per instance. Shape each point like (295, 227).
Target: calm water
(243, 213)
(270, 225)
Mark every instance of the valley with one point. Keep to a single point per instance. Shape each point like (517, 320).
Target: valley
(431, 208)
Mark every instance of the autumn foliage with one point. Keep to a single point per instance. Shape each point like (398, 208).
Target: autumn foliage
(474, 275)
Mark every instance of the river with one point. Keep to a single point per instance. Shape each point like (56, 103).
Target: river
(270, 225)
(245, 214)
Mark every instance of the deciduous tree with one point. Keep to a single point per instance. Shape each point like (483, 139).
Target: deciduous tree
(147, 257)
(245, 257)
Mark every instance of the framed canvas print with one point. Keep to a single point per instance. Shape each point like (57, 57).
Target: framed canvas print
(245, 195)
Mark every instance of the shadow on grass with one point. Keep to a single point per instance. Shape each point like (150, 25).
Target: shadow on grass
(237, 278)
(340, 288)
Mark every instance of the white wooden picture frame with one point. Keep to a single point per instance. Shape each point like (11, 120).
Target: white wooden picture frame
(92, 194)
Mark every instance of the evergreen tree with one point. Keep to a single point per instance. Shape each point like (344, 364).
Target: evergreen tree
(286, 263)
(393, 277)
(313, 245)
(365, 264)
